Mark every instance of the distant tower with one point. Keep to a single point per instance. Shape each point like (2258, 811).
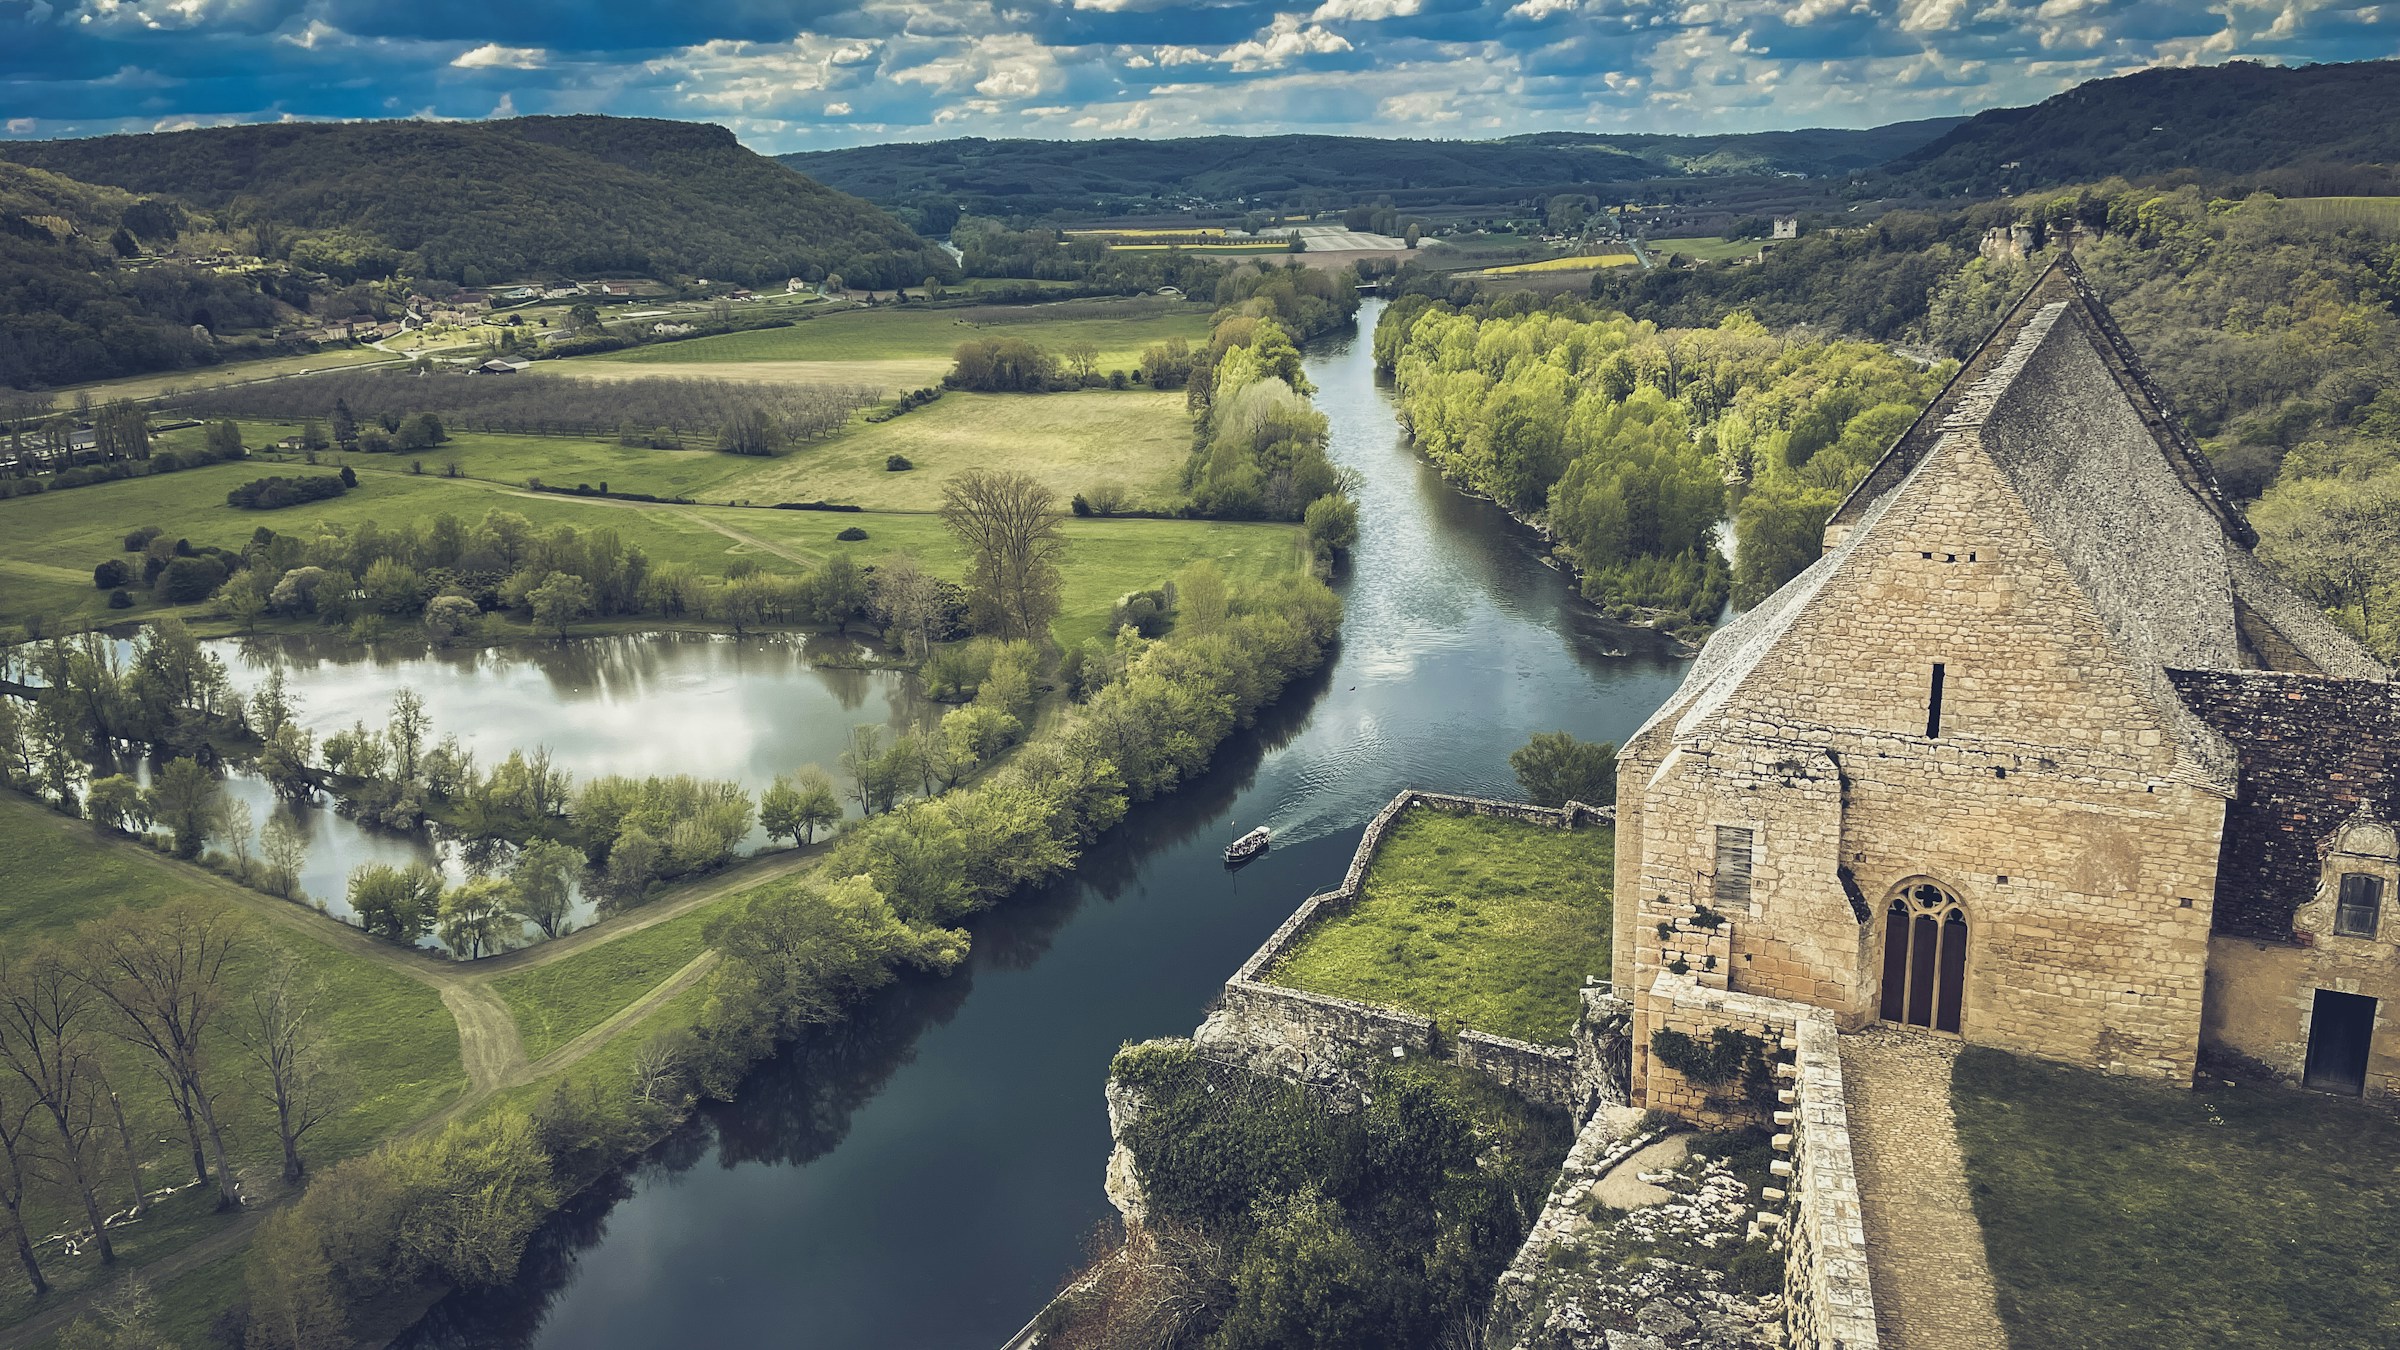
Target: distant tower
(1787, 227)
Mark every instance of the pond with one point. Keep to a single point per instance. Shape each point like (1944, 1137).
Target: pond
(925, 1175)
(705, 704)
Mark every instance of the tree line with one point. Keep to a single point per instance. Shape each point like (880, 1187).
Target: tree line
(685, 409)
(1621, 436)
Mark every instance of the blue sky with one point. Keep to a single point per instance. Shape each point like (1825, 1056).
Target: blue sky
(815, 74)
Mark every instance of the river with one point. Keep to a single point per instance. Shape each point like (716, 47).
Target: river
(923, 1177)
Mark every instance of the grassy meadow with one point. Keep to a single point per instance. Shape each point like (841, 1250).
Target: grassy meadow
(1706, 250)
(1472, 921)
(907, 345)
(555, 1003)
(2122, 1215)
(395, 1043)
(1581, 262)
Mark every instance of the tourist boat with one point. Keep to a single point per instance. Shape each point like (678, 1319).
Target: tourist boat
(1248, 846)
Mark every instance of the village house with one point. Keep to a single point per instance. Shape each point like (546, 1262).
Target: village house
(2036, 754)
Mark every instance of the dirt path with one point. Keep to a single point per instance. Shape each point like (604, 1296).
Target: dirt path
(489, 1048)
(1925, 1253)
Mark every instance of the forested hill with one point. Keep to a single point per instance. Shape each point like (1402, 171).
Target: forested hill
(2235, 119)
(1015, 177)
(493, 201)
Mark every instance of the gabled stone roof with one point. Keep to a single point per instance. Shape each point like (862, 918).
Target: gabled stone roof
(2057, 401)
(2314, 752)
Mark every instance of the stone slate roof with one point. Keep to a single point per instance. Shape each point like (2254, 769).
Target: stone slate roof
(2059, 402)
(2313, 752)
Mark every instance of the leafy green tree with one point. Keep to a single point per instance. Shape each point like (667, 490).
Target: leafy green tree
(1554, 768)
(1304, 1284)
(560, 601)
(478, 918)
(801, 955)
(224, 439)
(451, 617)
(542, 882)
(872, 782)
(189, 801)
(116, 803)
(397, 904)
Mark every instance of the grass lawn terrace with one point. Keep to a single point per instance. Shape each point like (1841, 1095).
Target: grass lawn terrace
(1473, 921)
(2125, 1215)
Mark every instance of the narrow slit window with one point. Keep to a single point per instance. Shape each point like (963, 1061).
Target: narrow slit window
(2360, 908)
(1933, 705)
(1734, 845)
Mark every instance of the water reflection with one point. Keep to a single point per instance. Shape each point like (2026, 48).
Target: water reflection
(926, 1177)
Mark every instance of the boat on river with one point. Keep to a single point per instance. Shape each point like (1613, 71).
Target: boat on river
(1247, 847)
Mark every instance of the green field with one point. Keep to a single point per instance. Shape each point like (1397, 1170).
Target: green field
(1473, 921)
(232, 372)
(2124, 1215)
(879, 341)
(1706, 250)
(395, 1042)
(557, 1002)
(49, 543)
(1068, 441)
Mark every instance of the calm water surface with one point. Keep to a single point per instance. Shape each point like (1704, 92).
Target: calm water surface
(704, 704)
(924, 1176)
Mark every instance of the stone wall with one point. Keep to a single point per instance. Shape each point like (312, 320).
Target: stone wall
(1828, 1303)
(1317, 1038)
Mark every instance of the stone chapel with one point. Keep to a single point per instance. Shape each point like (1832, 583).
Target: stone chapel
(2036, 754)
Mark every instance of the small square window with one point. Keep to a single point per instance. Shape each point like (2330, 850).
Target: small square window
(2360, 907)
(1734, 848)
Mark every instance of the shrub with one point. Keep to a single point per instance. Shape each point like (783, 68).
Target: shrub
(897, 463)
(119, 599)
(137, 540)
(268, 494)
(851, 535)
(190, 580)
(109, 575)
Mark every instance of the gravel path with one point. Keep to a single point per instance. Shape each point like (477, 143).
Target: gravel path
(1925, 1253)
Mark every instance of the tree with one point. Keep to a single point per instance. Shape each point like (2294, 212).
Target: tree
(290, 1070)
(46, 1043)
(190, 802)
(284, 762)
(345, 426)
(312, 436)
(480, 1190)
(244, 599)
(1010, 525)
(396, 904)
(163, 971)
(285, 853)
(1332, 524)
(909, 602)
(799, 956)
(1554, 768)
(224, 440)
(543, 882)
(18, 1108)
(115, 803)
(451, 617)
(872, 784)
(806, 804)
(476, 917)
(1083, 358)
(560, 601)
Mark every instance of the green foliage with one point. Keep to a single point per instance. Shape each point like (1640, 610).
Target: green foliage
(397, 904)
(1732, 1060)
(1554, 768)
(189, 801)
(1380, 1226)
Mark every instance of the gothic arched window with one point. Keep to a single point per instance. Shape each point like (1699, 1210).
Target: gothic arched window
(1925, 957)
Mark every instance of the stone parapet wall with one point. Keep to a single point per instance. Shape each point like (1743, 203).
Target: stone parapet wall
(1309, 1037)
(1828, 1303)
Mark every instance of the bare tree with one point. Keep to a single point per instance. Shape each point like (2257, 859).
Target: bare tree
(18, 1108)
(1010, 523)
(45, 1041)
(288, 1059)
(909, 601)
(657, 1071)
(163, 971)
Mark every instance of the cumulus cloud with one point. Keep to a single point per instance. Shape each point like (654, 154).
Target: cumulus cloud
(1365, 11)
(1284, 41)
(846, 71)
(493, 55)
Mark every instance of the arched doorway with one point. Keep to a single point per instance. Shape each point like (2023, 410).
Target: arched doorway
(1925, 958)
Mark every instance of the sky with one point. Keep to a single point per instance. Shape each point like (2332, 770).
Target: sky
(791, 75)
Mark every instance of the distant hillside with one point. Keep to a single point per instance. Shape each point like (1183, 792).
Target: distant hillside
(1030, 177)
(2237, 119)
(481, 202)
